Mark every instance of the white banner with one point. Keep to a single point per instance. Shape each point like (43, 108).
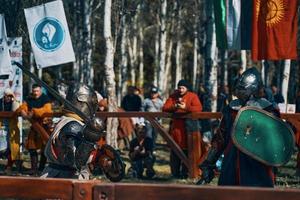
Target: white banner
(49, 34)
(15, 79)
(5, 61)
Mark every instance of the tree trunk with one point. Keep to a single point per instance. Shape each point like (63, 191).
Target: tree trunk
(163, 45)
(178, 59)
(168, 76)
(224, 68)
(214, 81)
(31, 64)
(122, 84)
(132, 49)
(171, 29)
(264, 71)
(195, 53)
(87, 41)
(141, 49)
(90, 56)
(132, 59)
(76, 64)
(156, 62)
(40, 73)
(210, 57)
(244, 59)
(285, 81)
(112, 123)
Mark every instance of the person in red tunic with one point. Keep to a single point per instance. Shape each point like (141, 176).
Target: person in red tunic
(182, 100)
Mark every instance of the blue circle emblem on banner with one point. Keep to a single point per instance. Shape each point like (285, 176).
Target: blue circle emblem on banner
(49, 34)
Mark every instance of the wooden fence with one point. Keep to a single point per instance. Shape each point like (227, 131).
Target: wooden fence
(191, 161)
(38, 188)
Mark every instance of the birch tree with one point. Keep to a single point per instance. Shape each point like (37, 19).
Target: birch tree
(223, 68)
(210, 57)
(77, 36)
(170, 30)
(141, 44)
(178, 59)
(122, 84)
(156, 56)
(163, 45)
(88, 41)
(195, 45)
(31, 68)
(112, 123)
(132, 42)
(285, 81)
(243, 59)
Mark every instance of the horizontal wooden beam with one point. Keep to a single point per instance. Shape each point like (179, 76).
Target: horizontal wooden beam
(38, 188)
(35, 188)
(190, 192)
(198, 115)
(41, 188)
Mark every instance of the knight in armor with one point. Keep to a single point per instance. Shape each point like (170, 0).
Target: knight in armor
(237, 167)
(72, 145)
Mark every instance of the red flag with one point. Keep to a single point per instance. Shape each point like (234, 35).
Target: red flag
(274, 29)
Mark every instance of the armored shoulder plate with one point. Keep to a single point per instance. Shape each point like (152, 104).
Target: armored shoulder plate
(72, 128)
(259, 103)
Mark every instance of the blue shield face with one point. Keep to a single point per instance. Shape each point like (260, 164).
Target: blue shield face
(49, 34)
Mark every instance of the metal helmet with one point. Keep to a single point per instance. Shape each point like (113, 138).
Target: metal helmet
(248, 84)
(84, 98)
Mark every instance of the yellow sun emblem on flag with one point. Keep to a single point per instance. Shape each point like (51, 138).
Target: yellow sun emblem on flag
(272, 11)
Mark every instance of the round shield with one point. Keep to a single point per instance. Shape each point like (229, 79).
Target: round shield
(263, 136)
(111, 163)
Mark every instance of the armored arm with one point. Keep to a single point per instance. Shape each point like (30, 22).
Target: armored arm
(91, 134)
(76, 149)
(209, 164)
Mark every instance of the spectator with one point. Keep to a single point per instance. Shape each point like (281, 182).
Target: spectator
(35, 106)
(152, 104)
(182, 101)
(131, 101)
(278, 97)
(9, 103)
(141, 154)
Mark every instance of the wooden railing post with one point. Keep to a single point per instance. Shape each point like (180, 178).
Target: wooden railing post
(194, 153)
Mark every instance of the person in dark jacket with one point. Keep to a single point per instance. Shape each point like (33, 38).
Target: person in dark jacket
(141, 153)
(131, 101)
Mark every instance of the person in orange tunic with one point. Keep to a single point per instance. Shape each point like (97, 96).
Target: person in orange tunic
(181, 101)
(34, 108)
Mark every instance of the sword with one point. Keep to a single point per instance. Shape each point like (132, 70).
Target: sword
(54, 93)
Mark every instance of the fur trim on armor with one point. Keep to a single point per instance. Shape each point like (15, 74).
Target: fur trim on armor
(255, 102)
(63, 121)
